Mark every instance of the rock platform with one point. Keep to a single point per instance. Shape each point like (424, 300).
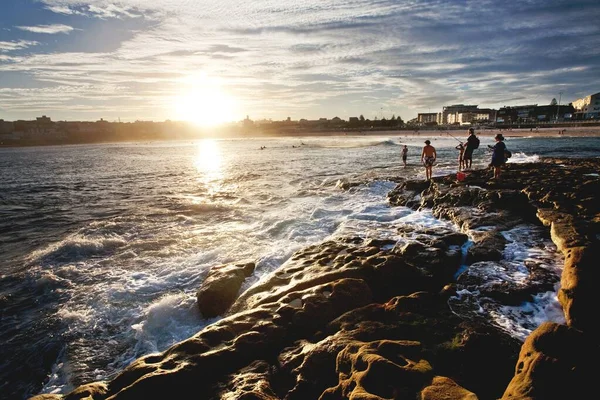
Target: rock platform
(359, 318)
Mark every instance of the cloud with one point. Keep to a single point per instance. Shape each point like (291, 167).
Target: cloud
(223, 48)
(64, 10)
(323, 57)
(4, 58)
(16, 45)
(112, 11)
(50, 29)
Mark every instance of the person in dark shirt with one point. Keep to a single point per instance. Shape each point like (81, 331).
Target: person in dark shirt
(498, 159)
(472, 143)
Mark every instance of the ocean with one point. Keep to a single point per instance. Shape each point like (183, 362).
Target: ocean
(104, 246)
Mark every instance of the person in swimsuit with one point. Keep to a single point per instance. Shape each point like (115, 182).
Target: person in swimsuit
(428, 157)
(404, 154)
(461, 152)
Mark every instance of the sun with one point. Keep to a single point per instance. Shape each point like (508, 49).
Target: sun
(203, 102)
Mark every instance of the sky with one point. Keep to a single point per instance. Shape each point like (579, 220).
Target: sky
(212, 61)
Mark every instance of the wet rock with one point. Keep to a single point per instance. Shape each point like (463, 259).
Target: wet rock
(221, 287)
(507, 292)
(488, 246)
(562, 198)
(552, 365)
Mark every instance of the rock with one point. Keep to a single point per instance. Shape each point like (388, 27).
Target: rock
(221, 287)
(380, 369)
(488, 245)
(577, 294)
(556, 362)
(444, 388)
(251, 382)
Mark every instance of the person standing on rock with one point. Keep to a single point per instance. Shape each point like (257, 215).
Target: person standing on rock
(498, 158)
(428, 157)
(461, 156)
(472, 144)
(404, 155)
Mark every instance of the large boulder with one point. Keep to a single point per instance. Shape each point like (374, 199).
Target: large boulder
(556, 362)
(221, 287)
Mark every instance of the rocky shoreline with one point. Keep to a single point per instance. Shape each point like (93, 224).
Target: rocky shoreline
(370, 319)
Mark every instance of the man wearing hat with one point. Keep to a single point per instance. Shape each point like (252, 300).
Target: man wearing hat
(428, 157)
(498, 158)
(472, 144)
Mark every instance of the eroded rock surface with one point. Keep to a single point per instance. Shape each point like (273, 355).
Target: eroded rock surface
(370, 319)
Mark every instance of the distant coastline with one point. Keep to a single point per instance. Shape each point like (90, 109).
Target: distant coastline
(559, 130)
(576, 131)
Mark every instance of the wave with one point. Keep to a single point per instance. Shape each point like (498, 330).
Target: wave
(169, 319)
(77, 247)
(194, 204)
(522, 158)
(242, 177)
(206, 208)
(350, 143)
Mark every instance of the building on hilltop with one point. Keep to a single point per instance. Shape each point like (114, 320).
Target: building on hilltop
(534, 113)
(42, 126)
(484, 115)
(43, 120)
(472, 117)
(587, 107)
(458, 114)
(320, 123)
(6, 127)
(7, 132)
(450, 113)
(429, 118)
(247, 123)
(510, 114)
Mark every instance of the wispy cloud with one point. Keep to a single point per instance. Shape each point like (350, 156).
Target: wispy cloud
(112, 10)
(99, 9)
(64, 10)
(4, 58)
(16, 45)
(49, 29)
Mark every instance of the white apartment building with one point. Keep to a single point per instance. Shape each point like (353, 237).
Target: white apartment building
(588, 107)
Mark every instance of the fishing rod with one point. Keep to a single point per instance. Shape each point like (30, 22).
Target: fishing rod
(448, 133)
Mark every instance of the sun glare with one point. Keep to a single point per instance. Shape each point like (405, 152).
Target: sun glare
(208, 158)
(204, 102)
(208, 162)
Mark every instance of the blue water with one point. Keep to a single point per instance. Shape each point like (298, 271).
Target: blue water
(104, 246)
